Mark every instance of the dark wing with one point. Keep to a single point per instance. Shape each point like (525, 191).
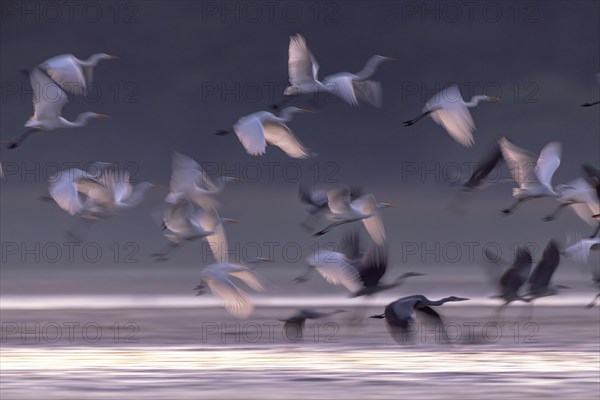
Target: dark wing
(374, 266)
(486, 165)
(541, 275)
(350, 245)
(517, 274)
(307, 195)
(293, 329)
(592, 175)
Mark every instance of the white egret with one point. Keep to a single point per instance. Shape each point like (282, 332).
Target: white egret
(580, 251)
(190, 182)
(581, 196)
(218, 278)
(183, 223)
(401, 314)
(344, 210)
(256, 130)
(72, 74)
(533, 174)
(448, 109)
(48, 102)
(315, 197)
(303, 75)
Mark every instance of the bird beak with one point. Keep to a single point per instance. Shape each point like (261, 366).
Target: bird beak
(494, 98)
(389, 58)
(563, 287)
(112, 57)
(390, 205)
(461, 299)
(232, 221)
(103, 116)
(305, 110)
(418, 274)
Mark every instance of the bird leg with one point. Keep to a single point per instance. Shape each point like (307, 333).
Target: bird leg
(283, 102)
(558, 209)
(590, 104)
(514, 206)
(331, 226)
(593, 303)
(418, 118)
(17, 142)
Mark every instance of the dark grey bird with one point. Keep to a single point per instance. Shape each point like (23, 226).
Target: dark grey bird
(515, 276)
(485, 166)
(592, 176)
(294, 326)
(539, 281)
(400, 315)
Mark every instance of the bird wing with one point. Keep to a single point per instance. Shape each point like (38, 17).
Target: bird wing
(335, 269)
(342, 86)
(484, 168)
(210, 221)
(548, 162)
(237, 302)
(48, 99)
(302, 66)
(248, 276)
(64, 191)
(350, 245)
(517, 274)
(374, 267)
(338, 199)
(581, 250)
(450, 112)
(66, 72)
(176, 217)
(369, 91)
(367, 205)
(188, 176)
(278, 134)
(543, 271)
(312, 195)
(249, 131)
(521, 163)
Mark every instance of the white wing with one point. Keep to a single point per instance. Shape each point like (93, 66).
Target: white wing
(453, 115)
(334, 268)
(281, 136)
(342, 86)
(237, 302)
(176, 217)
(48, 99)
(190, 182)
(522, 163)
(64, 191)
(249, 131)
(210, 221)
(302, 66)
(66, 72)
(338, 199)
(369, 91)
(247, 276)
(367, 205)
(581, 250)
(548, 162)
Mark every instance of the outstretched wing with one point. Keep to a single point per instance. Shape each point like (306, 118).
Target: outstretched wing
(281, 136)
(249, 131)
(302, 66)
(548, 162)
(522, 163)
(65, 71)
(450, 112)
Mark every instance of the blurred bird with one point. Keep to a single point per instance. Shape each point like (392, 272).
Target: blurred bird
(218, 278)
(580, 251)
(297, 321)
(485, 166)
(48, 102)
(184, 222)
(401, 314)
(514, 277)
(190, 182)
(344, 210)
(592, 175)
(72, 74)
(303, 75)
(539, 281)
(533, 174)
(581, 197)
(256, 130)
(448, 109)
(316, 198)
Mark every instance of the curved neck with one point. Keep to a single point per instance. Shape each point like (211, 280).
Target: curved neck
(475, 100)
(439, 302)
(370, 67)
(286, 113)
(81, 120)
(137, 194)
(92, 60)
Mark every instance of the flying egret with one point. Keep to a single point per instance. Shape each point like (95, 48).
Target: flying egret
(218, 278)
(183, 223)
(190, 182)
(344, 210)
(595, 102)
(256, 130)
(303, 75)
(401, 314)
(297, 321)
(534, 175)
(48, 102)
(72, 74)
(315, 197)
(448, 109)
(581, 196)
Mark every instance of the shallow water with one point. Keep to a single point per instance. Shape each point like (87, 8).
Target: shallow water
(188, 352)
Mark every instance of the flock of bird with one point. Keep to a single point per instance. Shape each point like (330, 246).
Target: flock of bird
(191, 204)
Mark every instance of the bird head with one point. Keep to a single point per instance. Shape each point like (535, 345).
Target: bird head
(95, 115)
(379, 316)
(454, 298)
(110, 56)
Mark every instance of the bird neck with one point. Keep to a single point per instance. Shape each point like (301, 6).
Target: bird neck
(137, 194)
(92, 60)
(475, 100)
(370, 67)
(81, 120)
